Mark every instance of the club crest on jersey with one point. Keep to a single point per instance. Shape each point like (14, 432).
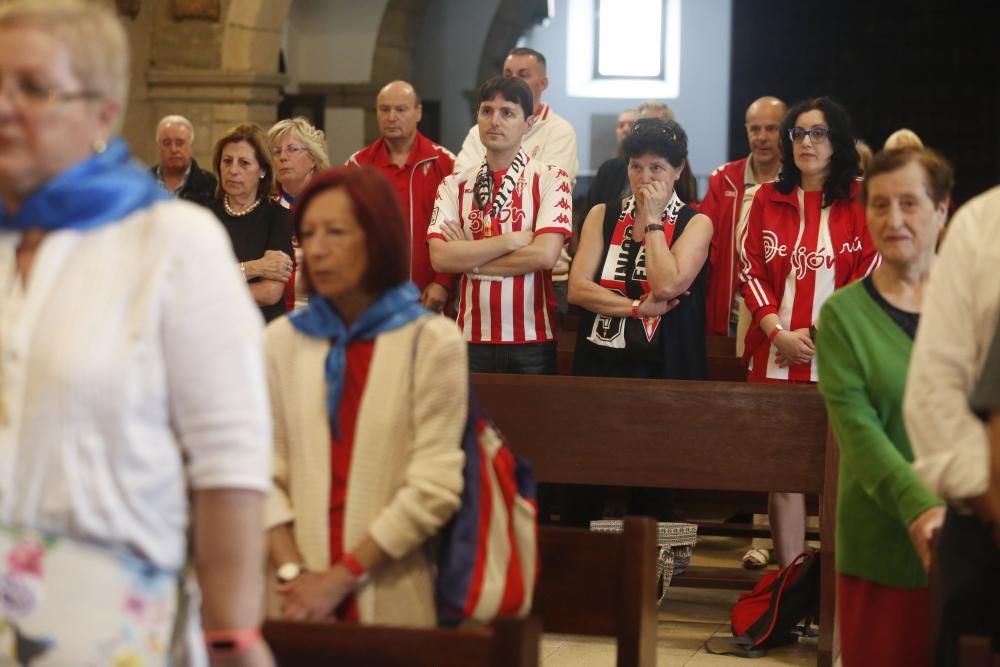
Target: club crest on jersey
(520, 186)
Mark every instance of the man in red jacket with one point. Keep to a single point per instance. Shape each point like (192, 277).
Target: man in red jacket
(722, 204)
(415, 166)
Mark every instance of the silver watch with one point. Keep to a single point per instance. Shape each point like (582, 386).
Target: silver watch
(288, 572)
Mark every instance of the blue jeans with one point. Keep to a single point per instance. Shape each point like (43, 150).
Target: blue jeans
(528, 358)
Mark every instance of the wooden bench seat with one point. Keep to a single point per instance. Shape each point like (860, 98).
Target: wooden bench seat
(716, 436)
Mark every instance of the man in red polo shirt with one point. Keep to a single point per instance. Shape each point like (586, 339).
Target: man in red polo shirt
(415, 166)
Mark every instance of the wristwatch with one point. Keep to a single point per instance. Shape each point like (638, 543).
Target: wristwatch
(654, 228)
(289, 572)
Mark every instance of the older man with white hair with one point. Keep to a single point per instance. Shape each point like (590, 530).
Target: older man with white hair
(178, 172)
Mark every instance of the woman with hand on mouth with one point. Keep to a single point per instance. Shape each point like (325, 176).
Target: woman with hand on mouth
(806, 237)
(259, 228)
(299, 151)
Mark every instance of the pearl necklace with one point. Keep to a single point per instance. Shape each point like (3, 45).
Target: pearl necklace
(239, 214)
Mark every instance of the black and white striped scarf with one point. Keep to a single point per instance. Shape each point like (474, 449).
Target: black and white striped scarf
(484, 185)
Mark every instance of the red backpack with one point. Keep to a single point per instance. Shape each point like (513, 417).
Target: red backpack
(769, 615)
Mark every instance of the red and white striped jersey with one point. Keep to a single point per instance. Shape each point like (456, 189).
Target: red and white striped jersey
(508, 309)
(794, 254)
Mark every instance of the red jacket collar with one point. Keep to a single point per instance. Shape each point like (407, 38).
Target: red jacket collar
(377, 153)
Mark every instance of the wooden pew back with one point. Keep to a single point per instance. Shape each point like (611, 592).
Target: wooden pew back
(662, 433)
(509, 643)
(601, 584)
(718, 436)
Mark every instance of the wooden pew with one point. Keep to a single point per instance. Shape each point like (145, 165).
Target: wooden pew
(675, 434)
(976, 652)
(601, 584)
(509, 643)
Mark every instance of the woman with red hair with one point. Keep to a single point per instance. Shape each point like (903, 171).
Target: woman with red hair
(368, 393)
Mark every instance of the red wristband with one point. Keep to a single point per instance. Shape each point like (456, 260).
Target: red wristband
(774, 333)
(353, 565)
(230, 643)
(635, 309)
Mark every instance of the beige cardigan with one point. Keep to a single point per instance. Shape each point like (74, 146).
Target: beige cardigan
(405, 477)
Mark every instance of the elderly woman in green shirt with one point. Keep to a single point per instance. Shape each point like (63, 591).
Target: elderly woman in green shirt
(885, 516)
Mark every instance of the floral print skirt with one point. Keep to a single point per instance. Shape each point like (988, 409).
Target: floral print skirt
(68, 602)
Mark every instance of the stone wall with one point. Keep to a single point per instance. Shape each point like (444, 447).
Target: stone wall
(218, 68)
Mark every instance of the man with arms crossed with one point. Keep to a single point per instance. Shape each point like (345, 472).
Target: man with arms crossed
(501, 223)
(415, 166)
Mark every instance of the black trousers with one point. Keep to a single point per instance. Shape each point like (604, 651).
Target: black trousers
(966, 595)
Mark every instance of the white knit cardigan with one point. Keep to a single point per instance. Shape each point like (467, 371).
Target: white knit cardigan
(405, 475)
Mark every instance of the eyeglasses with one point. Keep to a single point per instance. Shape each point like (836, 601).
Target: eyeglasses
(754, 130)
(817, 135)
(291, 150)
(27, 94)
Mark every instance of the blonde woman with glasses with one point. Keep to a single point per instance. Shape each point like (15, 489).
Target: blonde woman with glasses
(299, 152)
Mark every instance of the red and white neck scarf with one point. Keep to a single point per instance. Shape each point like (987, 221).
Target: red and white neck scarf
(619, 269)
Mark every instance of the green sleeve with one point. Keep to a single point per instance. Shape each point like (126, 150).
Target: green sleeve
(866, 451)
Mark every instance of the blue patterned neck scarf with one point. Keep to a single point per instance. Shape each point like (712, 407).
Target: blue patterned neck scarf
(104, 188)
(396, 307)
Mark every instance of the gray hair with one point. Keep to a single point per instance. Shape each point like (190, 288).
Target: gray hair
(174, 119)
(655, 109)
(93, 35)
(312, 138)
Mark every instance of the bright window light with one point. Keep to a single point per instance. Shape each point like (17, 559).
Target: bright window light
(623, 48)
(630, 38)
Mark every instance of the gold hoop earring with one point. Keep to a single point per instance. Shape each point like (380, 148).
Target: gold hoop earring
(100, 145)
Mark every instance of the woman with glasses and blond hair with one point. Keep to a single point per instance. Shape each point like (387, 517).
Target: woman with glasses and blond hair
(299, 151)
(259, 228)
(806, 236)
(133, 405)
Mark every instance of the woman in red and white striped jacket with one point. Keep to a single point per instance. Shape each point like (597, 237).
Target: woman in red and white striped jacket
(806, 237)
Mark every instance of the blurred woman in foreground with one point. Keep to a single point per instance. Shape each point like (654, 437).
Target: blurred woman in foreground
(131, 377)
(886, 517)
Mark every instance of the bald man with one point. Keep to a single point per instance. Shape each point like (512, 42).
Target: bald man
(722, 203)
(415, 166)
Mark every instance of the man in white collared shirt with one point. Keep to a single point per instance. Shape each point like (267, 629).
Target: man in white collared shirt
(950, 442)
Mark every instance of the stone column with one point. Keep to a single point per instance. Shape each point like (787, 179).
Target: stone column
(214, 101)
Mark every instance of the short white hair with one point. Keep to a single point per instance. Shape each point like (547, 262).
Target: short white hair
(174, 119)
(93, 35)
